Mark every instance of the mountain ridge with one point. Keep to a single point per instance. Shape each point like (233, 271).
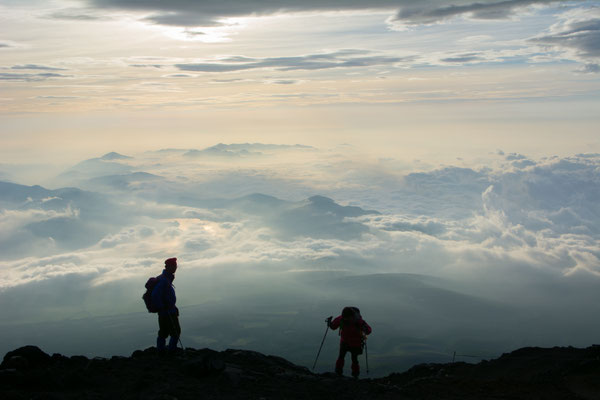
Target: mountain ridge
(526, 373)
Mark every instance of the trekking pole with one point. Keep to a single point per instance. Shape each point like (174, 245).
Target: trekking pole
(175, 330)
(367, 355)
(328, 320)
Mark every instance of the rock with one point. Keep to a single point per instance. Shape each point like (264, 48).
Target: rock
(232, 376)
(203, 365)
(34, 357)
(17, 362)
(9, 377)
(79, 360)
(553, 374)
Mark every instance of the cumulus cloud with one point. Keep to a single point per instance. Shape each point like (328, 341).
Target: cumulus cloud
(127, 235)
(487, 241)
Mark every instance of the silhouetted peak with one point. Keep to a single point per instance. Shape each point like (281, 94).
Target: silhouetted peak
(325, 204)
(321, 200)
(555, 373)
(114, 156)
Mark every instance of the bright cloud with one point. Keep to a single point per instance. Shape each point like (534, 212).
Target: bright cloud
(443, 241)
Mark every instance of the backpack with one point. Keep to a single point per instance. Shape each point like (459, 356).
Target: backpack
(354, 313)
(150, 285)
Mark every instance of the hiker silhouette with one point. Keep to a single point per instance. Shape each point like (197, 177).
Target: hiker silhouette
(164, 299)
(353, 332)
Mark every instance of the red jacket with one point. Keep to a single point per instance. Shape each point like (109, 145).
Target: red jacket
(351, 331)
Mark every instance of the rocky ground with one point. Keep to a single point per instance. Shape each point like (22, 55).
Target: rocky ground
(528, 373)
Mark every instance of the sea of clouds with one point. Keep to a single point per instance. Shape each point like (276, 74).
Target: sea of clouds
(272, 239)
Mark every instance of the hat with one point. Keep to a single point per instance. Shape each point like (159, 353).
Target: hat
(171, 264)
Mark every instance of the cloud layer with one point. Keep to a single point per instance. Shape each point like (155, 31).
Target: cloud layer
(458, 251)
(339, 59)
(190, 13)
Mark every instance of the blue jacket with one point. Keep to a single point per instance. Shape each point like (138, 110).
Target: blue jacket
(163, 295)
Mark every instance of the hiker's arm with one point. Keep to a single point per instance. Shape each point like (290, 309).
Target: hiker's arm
(335, 323)
(366, 328)
(157, 296)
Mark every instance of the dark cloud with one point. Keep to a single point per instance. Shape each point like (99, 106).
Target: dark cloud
(179, 76)
(147, 66)
(75, 14)
(284, 82)
(193, 13)
(583, 37)
(463, 58)
(58, 97)
(590, 69)
(7, 76)
(183, 19)
(5, 45)
(431, 12)
(339, 59)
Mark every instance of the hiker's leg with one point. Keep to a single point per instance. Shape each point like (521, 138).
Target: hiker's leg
(174, 331)
(355, 366)
(163, 331)
(339, 364)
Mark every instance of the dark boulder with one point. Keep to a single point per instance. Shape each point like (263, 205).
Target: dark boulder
(26, 357)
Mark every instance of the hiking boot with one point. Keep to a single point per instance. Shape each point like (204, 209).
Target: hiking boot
(339, 366)
(355, 370)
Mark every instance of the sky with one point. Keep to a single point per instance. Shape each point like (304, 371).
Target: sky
(436, 164)
(392, 77)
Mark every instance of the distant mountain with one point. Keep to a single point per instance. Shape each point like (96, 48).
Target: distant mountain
(220, 152)
(71, 217)
(15, 193)
(93, 168)
(426, 303)
(317, 216)
(124, 182)
(243, 149)
(528, 373)
(115, 156)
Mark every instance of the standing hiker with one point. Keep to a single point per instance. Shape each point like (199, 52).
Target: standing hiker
(163, 298)
(353, 331)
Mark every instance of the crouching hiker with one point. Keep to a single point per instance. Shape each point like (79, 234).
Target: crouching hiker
(353, 331)
(163, 299)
